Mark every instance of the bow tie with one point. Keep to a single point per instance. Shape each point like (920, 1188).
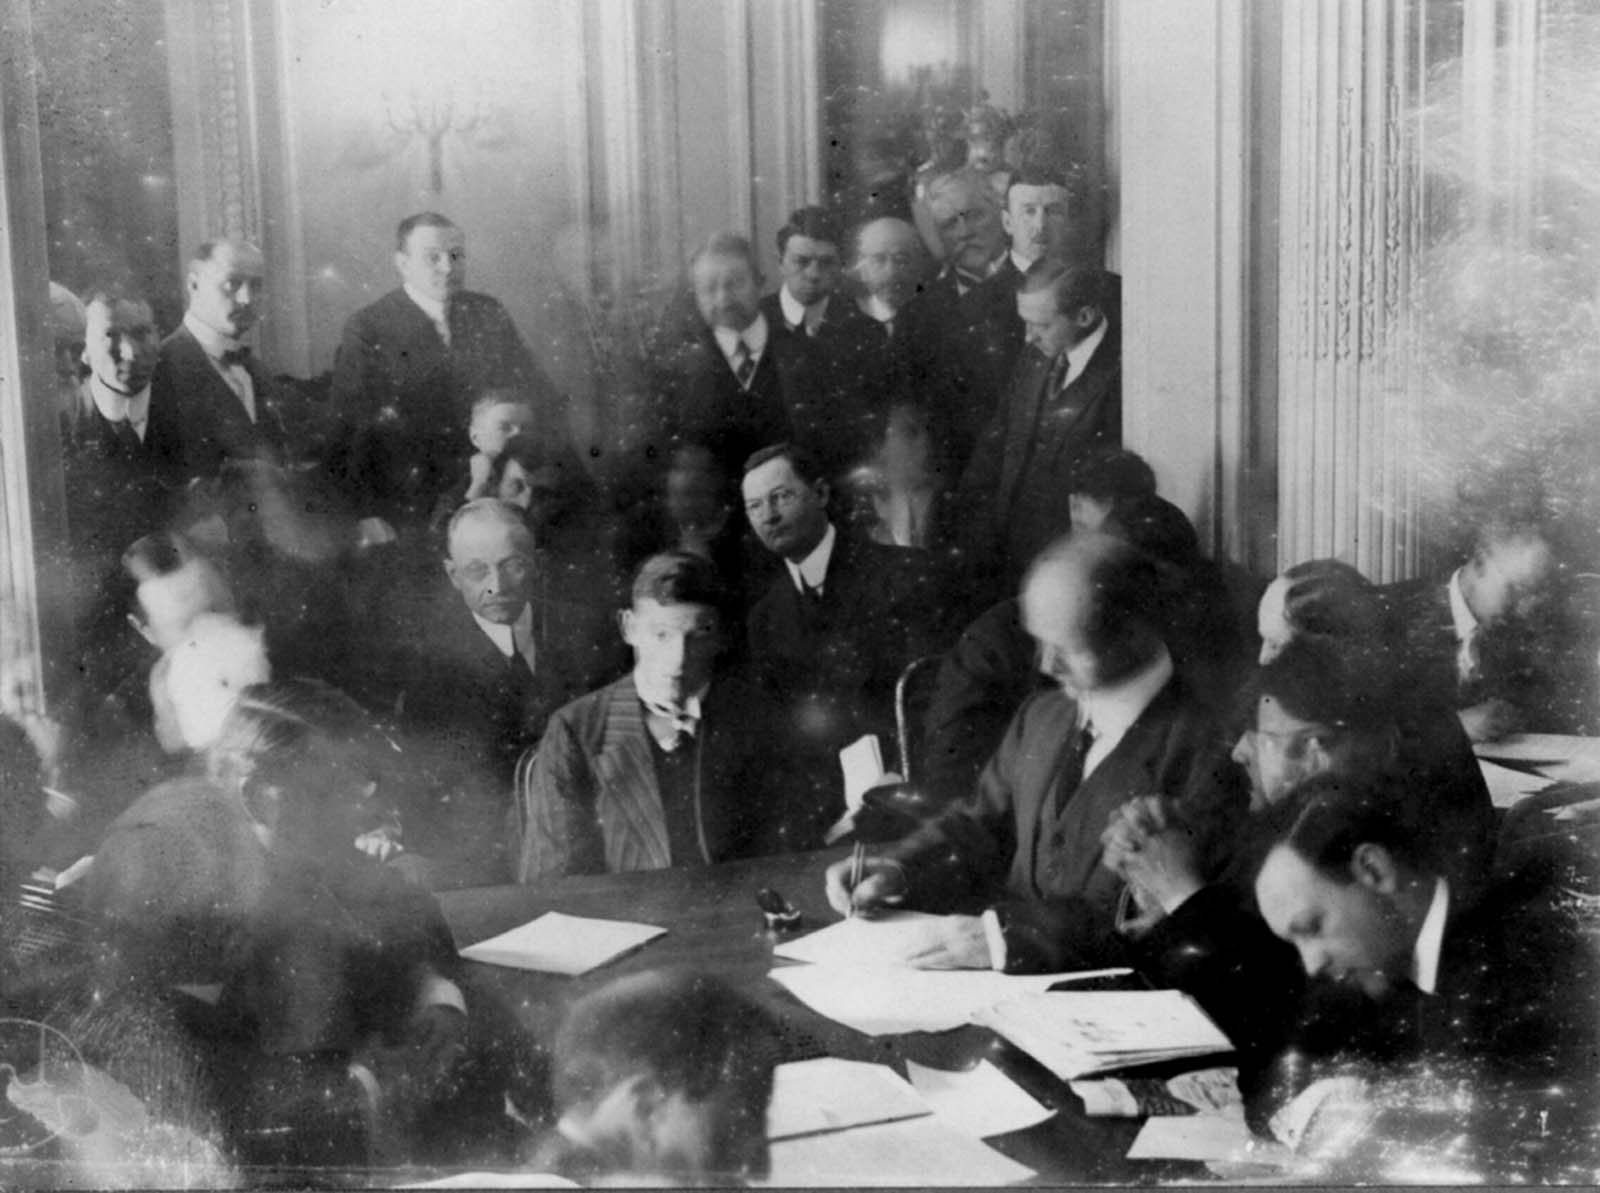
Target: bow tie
(234, 356)
(680, 720)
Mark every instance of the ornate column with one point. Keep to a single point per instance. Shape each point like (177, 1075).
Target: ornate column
(35, 636)
(1348, 242)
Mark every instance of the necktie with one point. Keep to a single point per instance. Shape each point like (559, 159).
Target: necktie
(812, 595)
(127, 438)
(442, 326)
(679, 724)
(517, 665)
(744, 365)
(1058, 374)
(235, 356)
(1077, 755)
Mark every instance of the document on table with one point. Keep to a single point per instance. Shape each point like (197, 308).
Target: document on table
(497, 1180)
(979, 1102)
(829, 1094)
(1077, 1033)
(878, 941)
(1508, 787)
(564, 944)
(886, 1002)
(915, 1152)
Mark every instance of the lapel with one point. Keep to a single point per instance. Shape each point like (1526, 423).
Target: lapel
(1089, 393)
(631, 811)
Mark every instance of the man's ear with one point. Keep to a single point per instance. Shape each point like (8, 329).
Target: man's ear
(399, 258)
(625, 623)
(1086, 317)
(1005, 221)
(823, 492)
(1374, 867)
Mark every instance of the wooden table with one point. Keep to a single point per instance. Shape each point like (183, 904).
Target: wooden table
(713, 923)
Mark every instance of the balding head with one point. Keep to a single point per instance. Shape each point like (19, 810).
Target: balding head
(889, 260)
(1092, 602)
(490, 559)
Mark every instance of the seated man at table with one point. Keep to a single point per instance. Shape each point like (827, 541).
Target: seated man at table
(1499, 989)
(662, 1078)
(1119, 723)
(672, 765)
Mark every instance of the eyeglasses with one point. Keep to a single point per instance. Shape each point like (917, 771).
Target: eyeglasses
(782, 500)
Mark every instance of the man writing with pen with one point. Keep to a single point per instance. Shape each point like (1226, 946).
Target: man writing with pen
(1027, 843)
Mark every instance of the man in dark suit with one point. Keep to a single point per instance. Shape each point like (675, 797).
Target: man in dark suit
(1502, 984)
(121, 452)
(723, 376)
(947, 326)
(1472, 642)
(483, 670)
(835, 415)
(673, 765)
(409, 368)
(831, 636)
(226, 403)
(1065, 400)
(1118, 724)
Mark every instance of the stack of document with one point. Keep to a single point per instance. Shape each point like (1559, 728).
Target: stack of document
(564, 944)
(1075, 1033)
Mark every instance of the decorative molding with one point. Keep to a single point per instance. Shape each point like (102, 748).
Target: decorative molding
(741, 131)
(794, 32)
(1348, 189)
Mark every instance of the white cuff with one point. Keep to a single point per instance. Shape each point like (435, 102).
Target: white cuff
(440, 992)
(362, 1076)
(996, 939)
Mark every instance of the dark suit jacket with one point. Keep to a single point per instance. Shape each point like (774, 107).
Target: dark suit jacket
(849, 378)
(404, 398)
(116, 490)
(468, 719)
(698, 399)
(834, 666)
(1019, 474)
(212, 423)
(988, 845)
(592, 803)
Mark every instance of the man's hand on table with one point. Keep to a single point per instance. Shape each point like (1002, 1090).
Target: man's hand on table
(954, 942)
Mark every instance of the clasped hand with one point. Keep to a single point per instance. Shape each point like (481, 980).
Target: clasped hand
(1152, 851)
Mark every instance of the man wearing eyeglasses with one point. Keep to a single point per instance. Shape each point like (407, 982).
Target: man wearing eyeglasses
(829, 639)
(484, 666)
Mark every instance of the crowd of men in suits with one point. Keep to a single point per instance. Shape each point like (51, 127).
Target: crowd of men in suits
(1263, 794)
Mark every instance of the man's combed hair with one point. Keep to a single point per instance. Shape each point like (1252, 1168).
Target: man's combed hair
(1075, 284)
(1340, 685)
(490, 509)
(728, 244)
(692, 1032)
(1112, 474)
(422, 219)
(814, 223)
(679, 578)
(1329, 816)
(1330, 600)
(806, 466)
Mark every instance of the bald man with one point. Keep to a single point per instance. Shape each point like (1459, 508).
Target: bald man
(889, 262)
(1116, 723)
(227, 407)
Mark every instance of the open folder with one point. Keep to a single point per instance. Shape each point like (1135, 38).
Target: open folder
(1075, 1033)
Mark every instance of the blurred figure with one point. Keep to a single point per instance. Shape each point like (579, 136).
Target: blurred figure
(1102, 480)
(320, 992)
(1322, 600)
(677, 764)
(67, 319)
(662, 1077)
(1472, 641)
(198, 680)
(889, 263)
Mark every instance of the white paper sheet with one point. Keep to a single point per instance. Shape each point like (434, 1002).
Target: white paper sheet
(883, 1002)
(564, 944)
(883, 940)
(1204, 1137)
(1075, 1034)
(979, 1102)
(1508, 787)
(829, 1094)
(918, 1151)
(1538, 749)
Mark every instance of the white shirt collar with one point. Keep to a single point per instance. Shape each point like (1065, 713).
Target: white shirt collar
(213, 341)
(964, 281)
(1110, 712)
(1081, 353)
(432, 308)
(115, 407)
(1022, 263)
(794, 314)
(813, 569)
(754, 337)
(505, 636)
(1460, 616)
(1430, 940)
(876, 308)
(693, 704)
